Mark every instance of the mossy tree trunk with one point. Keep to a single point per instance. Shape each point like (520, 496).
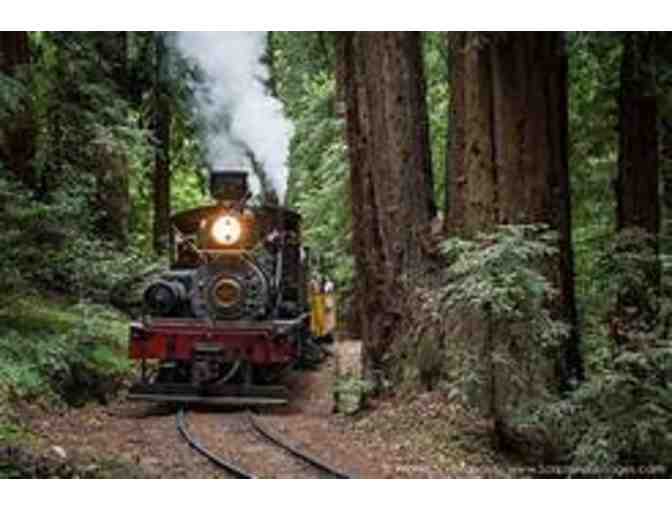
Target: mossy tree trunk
(390, 181)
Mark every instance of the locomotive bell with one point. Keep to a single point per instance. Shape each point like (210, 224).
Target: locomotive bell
(228, 185)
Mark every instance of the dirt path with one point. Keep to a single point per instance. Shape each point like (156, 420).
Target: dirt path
(409, 439)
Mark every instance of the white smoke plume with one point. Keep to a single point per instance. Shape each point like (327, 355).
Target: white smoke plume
(239, 112)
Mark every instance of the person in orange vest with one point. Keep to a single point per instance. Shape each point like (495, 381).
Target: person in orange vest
(323, 309)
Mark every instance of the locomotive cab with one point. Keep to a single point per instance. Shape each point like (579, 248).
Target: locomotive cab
(232, 313)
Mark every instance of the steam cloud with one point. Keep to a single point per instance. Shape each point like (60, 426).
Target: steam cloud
(239, 112)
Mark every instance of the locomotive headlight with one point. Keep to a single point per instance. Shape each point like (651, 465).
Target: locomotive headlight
(226, 230)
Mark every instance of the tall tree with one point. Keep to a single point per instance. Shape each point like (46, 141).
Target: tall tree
(515, 158)
(162, 129)
(391, 185)
(666, 170)
(664, 79)
(454, 208)
(17, 137)
(637, 183)
(638, 205)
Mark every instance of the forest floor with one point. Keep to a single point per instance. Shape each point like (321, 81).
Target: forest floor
(424, 436)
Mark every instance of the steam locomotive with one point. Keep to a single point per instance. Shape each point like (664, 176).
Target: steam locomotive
(233, 313)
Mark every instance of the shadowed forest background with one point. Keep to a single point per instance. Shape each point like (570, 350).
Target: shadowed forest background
(492, 207)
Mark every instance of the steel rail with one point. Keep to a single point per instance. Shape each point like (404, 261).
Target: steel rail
(273, 438)
(195, 444)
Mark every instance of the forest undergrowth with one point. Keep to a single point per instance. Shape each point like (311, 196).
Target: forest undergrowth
(62, 343)
(493, 291)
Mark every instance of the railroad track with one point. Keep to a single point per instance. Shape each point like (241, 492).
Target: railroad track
(267, 434)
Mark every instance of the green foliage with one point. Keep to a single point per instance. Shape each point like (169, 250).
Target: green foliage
(625, 273)
(318, 186)
(54, 245)
(594, 62)
(632, 270)
(438, 97)
(75, 103)
(11, 433)
(622, 416)
(62, 352)
(298, 58)
(188, 186)
(502, 273)
(80, 103)
(319, 182)
(12, 92)
(350, 393)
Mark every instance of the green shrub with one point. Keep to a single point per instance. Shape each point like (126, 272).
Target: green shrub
(67, 353)
(319, 181)
(622, 416)
(53, 245)
(350, 393)
(502, 273)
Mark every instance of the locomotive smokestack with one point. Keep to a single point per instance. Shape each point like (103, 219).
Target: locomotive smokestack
(240, 115)
(229, 185)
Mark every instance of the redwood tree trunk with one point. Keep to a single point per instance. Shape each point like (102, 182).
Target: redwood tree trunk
(162, 125)
(17, 137)
(515, 156)
(637, 184)
(455, 174)
(390, 180)
(664, 81)
(666, 172)
(638, 204)
(531, 151)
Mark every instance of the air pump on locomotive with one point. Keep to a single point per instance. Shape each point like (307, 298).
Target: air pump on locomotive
(233, 313)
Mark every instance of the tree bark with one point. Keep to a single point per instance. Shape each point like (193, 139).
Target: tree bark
(162, 128)
(638, 204)
(456, 177)
(664, 81)
(17, 137)
(666, 172)
(390, 180)
(637, 183)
